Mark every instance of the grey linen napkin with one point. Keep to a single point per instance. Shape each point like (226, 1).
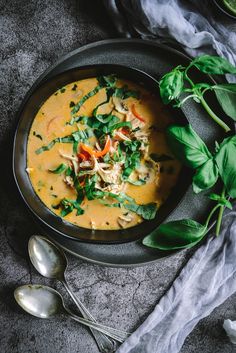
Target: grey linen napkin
(188, 23)
(207, 280)
(209, 277)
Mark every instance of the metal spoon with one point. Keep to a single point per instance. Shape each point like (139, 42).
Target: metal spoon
(45, 302)
(51, 262)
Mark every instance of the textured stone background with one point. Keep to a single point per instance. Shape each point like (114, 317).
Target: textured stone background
(33, 34)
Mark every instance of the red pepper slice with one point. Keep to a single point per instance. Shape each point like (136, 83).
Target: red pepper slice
(84, 156)
(133, 110)
(97, 154)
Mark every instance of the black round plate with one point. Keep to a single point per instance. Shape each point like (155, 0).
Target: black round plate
(155, 60)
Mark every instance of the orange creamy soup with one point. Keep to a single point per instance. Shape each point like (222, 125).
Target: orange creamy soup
(97, 153)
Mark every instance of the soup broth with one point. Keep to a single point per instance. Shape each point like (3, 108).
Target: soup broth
(97, 153)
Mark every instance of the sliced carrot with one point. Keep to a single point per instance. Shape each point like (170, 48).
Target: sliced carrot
(133, 110)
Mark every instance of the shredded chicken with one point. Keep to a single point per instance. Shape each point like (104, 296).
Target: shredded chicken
(98, 146)
(76, 166)
(86, 164)
(93, 225)
(146, 173)
(67, 156)
(122, 136)
(123, 220)
(134, 121)
(73, 159)
(114, 188)
(69, 181)
(120, 106)
(111, 176)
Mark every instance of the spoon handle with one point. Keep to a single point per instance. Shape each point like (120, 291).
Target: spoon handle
(105, 344)
(96, 326)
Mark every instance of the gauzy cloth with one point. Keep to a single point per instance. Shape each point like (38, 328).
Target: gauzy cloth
(207, 280)
(188, 23)
(209, 277)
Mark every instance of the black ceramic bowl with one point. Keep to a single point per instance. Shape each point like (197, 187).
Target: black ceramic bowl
(224, 9)
(27, 112)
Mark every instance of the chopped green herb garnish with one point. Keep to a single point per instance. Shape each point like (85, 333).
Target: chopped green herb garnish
(59, 170)
(147, 211)
(62, 90)
(37, 135)
(77, 106)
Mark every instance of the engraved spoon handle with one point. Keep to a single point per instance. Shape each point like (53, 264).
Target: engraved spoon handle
(105, 344)
(99, 327)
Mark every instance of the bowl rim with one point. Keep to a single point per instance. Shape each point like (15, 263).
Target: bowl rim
(222, 8)
(36, 87)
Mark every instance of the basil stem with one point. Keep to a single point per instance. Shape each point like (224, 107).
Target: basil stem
(213, 115)
(204, 103)
(211, 214)
(220, 215)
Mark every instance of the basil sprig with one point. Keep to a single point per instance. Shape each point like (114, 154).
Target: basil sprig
(193, 152)
(176, 84)
(176, 87)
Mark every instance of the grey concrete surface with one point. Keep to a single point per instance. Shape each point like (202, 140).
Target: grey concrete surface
(33, 34)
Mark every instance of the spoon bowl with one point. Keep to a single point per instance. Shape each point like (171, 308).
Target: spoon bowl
(45, 303)
(40, 301)
(47, 258)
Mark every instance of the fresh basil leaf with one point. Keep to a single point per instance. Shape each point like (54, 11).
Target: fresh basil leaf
(213, 65)
(107, 81)
(160, 157)
(66, 210)
(121, 124)
(226, 162)
(147, 211)
(221, 200)
(75, 147)
(60, 169)
(69, 205)
(46, 147)
(135, 182)
(205, 177)
(78, 105)
(171, 85)
(173, 235)
(105, 118)
(187, 145)
(226, 96)
(124, 92)
(69, 171)
(90, 187)
(109, 93)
